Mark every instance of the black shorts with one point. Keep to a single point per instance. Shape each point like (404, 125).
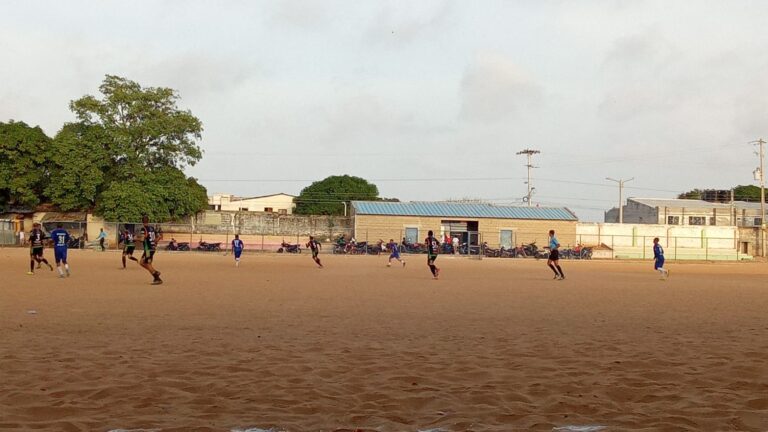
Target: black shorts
(129, 250)
(554, 255)
(147, 256)
(314, 253)
(36, 251)
(431, 258)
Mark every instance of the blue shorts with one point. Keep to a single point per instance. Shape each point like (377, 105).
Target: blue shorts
(237, 252)
(60, 254)
(395, 255)
(659, 263)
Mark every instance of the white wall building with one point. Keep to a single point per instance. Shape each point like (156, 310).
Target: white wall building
(687, 212)
(277, 203)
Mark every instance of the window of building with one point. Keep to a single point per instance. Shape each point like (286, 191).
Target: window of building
(282, 211)
(268, 209)
(712, 220)
(243, 209)
(758, 221)
(697, 220)
(412, 235)
(673, 220)
(506, 239)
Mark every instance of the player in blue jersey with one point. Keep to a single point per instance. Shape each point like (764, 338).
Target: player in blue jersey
(149, 243)
(36, 237)
(658, 259)
(554, 256)
(60, 238)
(433, 248)
(237, 249)
(394, 253)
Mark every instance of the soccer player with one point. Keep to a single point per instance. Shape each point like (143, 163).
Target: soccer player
(36, 237)
(315, 247)
(658, 257)
(237, 249)
(433, 247)
(394, 253)
(149, 241)
(60, 238)
(129, 245)
(554, 256)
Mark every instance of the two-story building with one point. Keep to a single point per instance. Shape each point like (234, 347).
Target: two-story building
(665, 211)
(277, 203)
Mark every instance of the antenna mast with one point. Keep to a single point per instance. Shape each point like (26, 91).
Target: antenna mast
(529, 153)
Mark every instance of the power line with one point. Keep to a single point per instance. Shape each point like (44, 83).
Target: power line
(441, 179)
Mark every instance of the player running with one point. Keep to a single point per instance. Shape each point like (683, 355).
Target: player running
(149, 241)
(554, 256)
(60, 238)
(315, 247)
(129, 245)
(36, 237)
(433, 247)
(394, 253)
(237, 249)
(658, 259)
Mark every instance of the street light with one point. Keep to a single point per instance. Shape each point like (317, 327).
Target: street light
(621, 196)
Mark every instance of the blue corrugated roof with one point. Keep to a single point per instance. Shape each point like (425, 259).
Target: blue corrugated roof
(447, 209)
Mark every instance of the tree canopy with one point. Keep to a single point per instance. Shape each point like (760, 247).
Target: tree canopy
(740, 193)
(328, 195)
(23, 169)
(123, 157)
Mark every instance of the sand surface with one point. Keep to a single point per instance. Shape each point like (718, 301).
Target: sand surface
(494, 345)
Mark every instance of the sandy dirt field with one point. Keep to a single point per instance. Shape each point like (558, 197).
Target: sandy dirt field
(494, 345)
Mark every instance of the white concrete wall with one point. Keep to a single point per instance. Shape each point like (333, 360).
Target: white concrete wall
(683, 242)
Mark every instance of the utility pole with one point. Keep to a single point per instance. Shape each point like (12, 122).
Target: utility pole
(760, 172)
(621, 196)
(529, 153)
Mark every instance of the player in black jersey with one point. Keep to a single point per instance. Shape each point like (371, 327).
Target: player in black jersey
(315, 246)
(129, 245)
(36, 238)
(433, 246)
(149, 242)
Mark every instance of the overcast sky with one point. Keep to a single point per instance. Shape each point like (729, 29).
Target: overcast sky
(422, 97)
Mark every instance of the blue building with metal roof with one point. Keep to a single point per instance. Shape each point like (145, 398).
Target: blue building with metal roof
(467, 210)
(467, 222)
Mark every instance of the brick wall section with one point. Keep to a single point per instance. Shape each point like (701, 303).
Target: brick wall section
(374, 227)
(271, 224)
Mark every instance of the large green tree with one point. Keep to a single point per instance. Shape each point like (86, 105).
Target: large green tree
(79, 164)
(162, 194)
(328, 195)
(23, 164)
(140, 141)
(747, 193)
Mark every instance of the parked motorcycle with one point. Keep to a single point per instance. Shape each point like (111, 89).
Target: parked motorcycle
(490, 252)
(177, 246)
(76, 242)
(289, 248)
(414, 248)
(209, 247)
(508, 253)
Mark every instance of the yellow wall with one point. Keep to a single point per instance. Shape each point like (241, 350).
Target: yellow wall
(373, 228)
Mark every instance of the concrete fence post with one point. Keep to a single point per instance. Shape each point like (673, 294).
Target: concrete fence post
(675, 248)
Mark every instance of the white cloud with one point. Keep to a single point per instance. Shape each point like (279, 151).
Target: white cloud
(496, 89)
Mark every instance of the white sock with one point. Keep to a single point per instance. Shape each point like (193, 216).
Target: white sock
(66, 266)
(61, 272)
